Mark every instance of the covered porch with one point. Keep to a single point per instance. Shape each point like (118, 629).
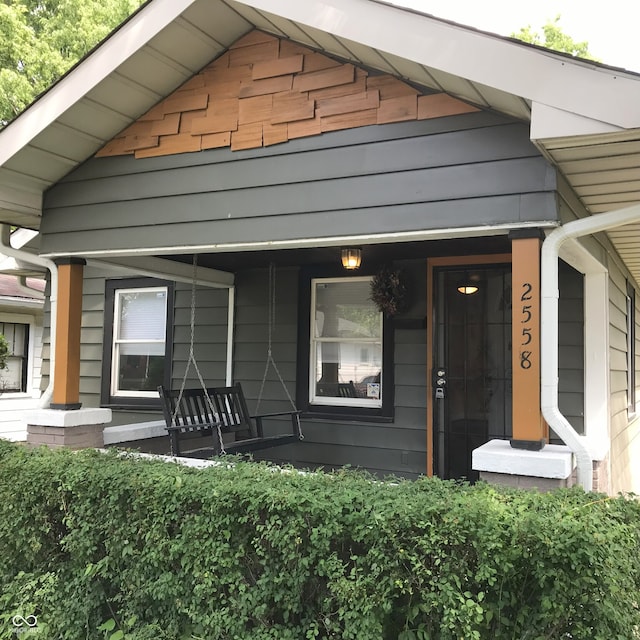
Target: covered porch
(403, 417)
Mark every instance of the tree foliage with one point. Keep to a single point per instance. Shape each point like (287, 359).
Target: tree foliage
(42, 39)
(553, 37)
(5, 351)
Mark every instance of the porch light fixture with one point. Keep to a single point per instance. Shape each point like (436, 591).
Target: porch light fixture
(351, 258)
(468, 286)
(467, 289)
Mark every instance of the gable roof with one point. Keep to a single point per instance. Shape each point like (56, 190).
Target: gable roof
(584, 116)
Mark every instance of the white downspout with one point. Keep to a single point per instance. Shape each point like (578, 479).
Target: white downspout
(230, 335)
(549, 329)
(27, 290)
(30, 258)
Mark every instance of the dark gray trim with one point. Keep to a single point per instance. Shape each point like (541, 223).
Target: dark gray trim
(73, 406)
(524, 234)
(385, 413)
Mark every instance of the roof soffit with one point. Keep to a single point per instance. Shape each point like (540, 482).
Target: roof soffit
(103, 61)
(572, 85)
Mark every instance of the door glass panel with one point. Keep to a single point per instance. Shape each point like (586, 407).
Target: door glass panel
(472, 343)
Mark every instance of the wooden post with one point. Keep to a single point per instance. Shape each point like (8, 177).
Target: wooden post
(66, 382)
(529, 428)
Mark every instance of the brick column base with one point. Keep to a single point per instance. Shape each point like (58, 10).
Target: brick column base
(78, 429)
(526, 482)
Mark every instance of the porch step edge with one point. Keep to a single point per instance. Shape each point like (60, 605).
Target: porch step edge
(497, 456)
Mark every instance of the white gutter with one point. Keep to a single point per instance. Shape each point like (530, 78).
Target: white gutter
(25, 256)
(27, 290)
(549, 329)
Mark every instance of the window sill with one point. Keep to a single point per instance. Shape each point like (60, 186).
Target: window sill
(139, 406)
(324, 416)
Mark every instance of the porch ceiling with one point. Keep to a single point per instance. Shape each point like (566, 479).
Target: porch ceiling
(373, 254)
(588, 124)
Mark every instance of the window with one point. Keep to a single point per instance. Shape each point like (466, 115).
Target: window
(631, 349)
(137, 341)
(14, 377)
(345, 370)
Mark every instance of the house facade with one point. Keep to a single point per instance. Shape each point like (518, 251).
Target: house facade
(210, 217)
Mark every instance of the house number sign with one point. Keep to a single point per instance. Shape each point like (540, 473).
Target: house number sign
(528, 425)
(526, 310)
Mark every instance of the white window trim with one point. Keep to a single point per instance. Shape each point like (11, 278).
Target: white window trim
(316, 400)
(597, 399)
(115, 343)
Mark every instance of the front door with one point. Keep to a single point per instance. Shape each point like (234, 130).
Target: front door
(471, 374)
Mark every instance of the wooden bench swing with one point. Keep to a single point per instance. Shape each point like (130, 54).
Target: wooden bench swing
(221, 412)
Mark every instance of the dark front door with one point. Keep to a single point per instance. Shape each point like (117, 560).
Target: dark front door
(472, 363)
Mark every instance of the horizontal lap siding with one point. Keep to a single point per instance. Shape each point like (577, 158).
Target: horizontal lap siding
(625, 428)
(210, 335)
(91, 336)
(251, 339)
(474, 169)
(571, 345)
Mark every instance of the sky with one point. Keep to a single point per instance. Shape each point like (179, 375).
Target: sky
(610, 28)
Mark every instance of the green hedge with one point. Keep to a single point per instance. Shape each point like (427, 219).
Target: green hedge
(100, 546)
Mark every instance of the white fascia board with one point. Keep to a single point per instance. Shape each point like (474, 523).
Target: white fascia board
(572, 85)
(131, 37)
(109, 255)
(549, 122)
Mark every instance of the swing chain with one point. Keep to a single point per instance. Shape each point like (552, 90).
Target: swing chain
(270, 359)
(192, 360)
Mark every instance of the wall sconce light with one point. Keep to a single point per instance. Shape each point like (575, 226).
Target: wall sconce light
(351, 258)
(469, 285)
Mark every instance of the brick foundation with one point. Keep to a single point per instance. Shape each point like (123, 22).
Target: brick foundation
(601, 476)
(81, 437)
(525, 482)
(78, 429)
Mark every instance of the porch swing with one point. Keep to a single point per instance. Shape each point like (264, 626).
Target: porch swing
(219, 411)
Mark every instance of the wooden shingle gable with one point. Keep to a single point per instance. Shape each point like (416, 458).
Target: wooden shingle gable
(264, 91)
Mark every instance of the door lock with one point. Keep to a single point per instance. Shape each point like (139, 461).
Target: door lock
(440, 381)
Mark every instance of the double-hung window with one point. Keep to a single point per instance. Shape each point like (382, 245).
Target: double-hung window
(137, 322)
(14, 377)
(346, 345)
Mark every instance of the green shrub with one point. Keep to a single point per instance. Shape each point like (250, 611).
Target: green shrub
(102, 546)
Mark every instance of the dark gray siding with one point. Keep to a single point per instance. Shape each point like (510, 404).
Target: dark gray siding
(475, 169)
(571, 345)
(210, 335)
